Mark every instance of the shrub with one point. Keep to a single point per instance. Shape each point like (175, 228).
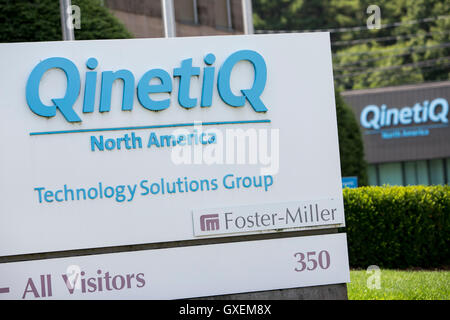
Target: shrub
(351, 148)
(398, 227)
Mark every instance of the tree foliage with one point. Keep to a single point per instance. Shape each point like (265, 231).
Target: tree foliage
(322, 14)
(39, 20)
(416, 50)
(412, 46)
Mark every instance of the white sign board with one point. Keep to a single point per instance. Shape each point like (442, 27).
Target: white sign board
(118, 142)
(205, 271)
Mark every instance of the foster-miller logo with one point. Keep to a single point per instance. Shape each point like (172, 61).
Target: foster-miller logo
(209, 222)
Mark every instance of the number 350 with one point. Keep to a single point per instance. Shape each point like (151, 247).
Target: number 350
(311, 263)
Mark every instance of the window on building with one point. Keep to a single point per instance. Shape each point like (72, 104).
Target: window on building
(416, 172)
(409, 173)
(390, 173)
(436, 171)
(223, 14)
(372, 174)
(447, 169)
(410, 170)
(422, 172)
(186, 11)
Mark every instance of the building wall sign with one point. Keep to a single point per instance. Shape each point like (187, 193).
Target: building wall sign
(404, 123)
(384, 119)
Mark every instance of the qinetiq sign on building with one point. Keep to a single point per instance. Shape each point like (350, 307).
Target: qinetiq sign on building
(386, 120)
(403, 123)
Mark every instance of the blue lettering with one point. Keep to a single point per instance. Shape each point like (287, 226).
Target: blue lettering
(120, 196)
(144, 187)
(39, 193)
(185, 72)
(48, 195)
(110, 144)
(132, 191)
(56, 196)
(65, 104)
(144, 88)
(108, 78)
(208, 81)
(153, 140)
(90, 85)
(253, 94)
(374, 117)
(226, 183)
(97, 143)
(268, 181)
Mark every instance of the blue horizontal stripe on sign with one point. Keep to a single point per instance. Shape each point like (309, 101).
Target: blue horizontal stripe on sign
(190, 124)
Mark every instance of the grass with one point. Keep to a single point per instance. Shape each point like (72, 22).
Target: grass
(399, 285)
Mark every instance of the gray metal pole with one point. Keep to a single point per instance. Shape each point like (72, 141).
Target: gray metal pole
(67, 32)
(168, 13)
(247, 13)
(229, 20)
(194, 3)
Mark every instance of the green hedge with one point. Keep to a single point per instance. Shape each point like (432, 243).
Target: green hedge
(398, 227)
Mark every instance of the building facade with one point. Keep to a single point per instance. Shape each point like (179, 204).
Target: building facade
(143, 18)
(406, 132)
